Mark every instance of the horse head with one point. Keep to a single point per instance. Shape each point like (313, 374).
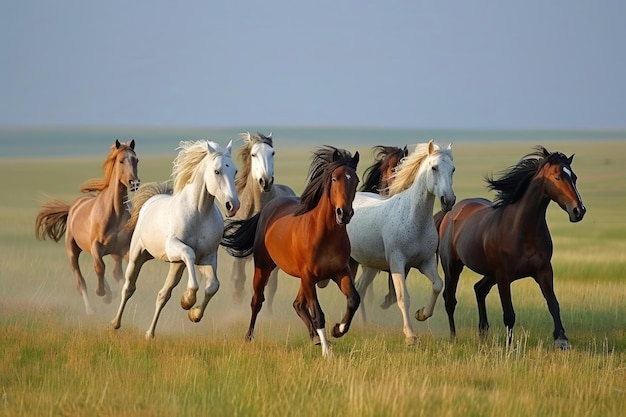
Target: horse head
(344, 181)
(560, 185)
(126, 164)
(262, 162)
(440, 167)
(219, 178)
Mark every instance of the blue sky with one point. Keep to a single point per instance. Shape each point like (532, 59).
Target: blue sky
(415, 64)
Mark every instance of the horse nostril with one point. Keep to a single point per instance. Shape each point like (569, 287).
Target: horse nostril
(339, 212)
(229, 206)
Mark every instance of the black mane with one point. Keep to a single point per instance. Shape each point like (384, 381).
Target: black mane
(325, 160)
(372, 176)
(514, 181)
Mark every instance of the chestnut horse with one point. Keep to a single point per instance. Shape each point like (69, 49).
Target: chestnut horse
(256, 187)
(307, 239)
(509, 239)
(96, 223)
(376, 179)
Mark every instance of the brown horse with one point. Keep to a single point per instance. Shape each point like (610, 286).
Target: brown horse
(509, 239)
(96, 223)
(307, 239)
(376, 179)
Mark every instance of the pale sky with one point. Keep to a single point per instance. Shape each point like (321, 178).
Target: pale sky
(414, 64)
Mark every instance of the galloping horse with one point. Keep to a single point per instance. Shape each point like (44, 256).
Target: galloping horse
(307, 239)
(256, 187)
(376, 179)
(509, 239)
(95, 223)
(183, 228)
(398, 233)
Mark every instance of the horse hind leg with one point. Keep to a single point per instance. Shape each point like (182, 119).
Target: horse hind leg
(212, 286)
(452, 274)
(362, 285)
(239, 278)
(173, 278)
(481, 289)
(272, 287)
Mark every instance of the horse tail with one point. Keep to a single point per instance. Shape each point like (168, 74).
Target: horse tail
(438, 219)
(51, 220)
(143, 194)
(238, 238)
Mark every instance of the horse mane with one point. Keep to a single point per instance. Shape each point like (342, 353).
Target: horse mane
(325, 160)
(406, 172)
(514, 181)
(249, 140)
(186, 163)
(372, 176)
(143, 194)
(99, 184)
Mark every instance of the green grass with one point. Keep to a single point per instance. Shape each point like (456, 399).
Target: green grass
(54, 360)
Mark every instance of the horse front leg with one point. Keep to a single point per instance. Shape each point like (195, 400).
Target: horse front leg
(404, 302)
(307, 286)
(545, 281)
(173, 278)
(362, 284)
(177, 251)
(261, 276)
(429, 268)
(239, 278)
(504, 288)
(209, 271)
(103, 290)
(344, 282)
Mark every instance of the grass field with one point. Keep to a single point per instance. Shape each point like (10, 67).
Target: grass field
(54, 360)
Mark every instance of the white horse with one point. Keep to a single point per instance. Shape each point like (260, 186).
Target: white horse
(183, 226)
(398, 233)
(255, 187)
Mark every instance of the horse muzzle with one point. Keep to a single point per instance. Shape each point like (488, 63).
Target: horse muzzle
(577, 213)
(231, 208)
(265, 184)
(343, 216)
(447, 203)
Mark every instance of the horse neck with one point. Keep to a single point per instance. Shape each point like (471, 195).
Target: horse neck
(419, 200)
(196, 194)
(530, 210)
(322, 219)
(114, 196)
(252, 199)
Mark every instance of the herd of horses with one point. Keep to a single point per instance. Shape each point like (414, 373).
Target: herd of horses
(386, 224)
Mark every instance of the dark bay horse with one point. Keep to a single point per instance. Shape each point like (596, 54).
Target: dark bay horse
(307, 239)
(376, 179)
(95, 223)
(509, 239)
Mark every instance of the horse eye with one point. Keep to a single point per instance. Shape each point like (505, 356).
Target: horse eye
(435, 168)
(273, 153)
(217, 172)
(253, 155)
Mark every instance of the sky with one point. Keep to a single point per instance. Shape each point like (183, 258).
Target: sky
(405, 64)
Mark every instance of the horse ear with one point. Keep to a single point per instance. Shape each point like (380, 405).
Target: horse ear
(570, 159)
(405, 151)
(269, 136)
(336, 155)
(431, 147)
(117, 144)
(229, 147)
(449, 148)
(355, 159)
(132, 144)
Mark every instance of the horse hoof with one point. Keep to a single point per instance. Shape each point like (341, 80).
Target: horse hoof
(316, 340)
(107, 298)
(411, 341)
(188, 300)
(100, 292)
(195, 315)
(562, 344)
(419, 315)
(337, 330)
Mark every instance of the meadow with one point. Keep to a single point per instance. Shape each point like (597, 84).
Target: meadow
(56, 361)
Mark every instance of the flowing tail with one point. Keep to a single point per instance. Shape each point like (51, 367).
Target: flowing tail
(238, 238)
(51, 220)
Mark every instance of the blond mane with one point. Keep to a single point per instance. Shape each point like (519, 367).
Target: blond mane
(406, 171)
(99, 184)
(186, 164)
(249, 140)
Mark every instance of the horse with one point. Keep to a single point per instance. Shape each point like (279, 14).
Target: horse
(95, 223)
(376, 179)
(307, 239)
(182, 227)
(255, 187)
(398, 233)
(508, 239)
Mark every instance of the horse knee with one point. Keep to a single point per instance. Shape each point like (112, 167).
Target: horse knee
(354, 301)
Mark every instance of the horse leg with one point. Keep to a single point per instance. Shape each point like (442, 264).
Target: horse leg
(177, 251)
(452, 272)
(362, 284)
(272, 287)
(344, 282)
(545, 281)
(118, 272)
(261, 275)
(307, 285)
(481, 289)
(504, 288)
(404, 301)
(390, 297)
(300, 305)
(239, 278)
(73, 252)
(135, 263)
(103, 290)
(173, 278)
(212, 285)
(429, 268)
